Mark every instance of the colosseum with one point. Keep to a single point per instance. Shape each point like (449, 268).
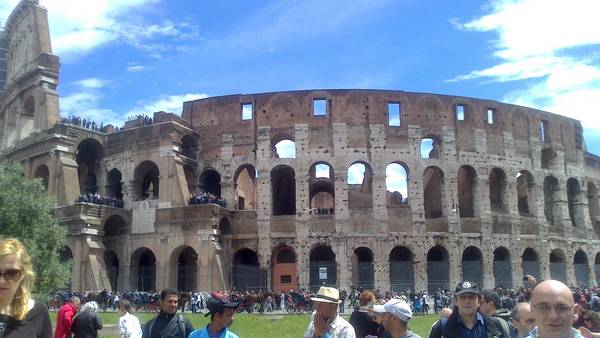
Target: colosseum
(376, 188)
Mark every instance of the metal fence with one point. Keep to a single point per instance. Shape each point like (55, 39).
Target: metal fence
(402, 276)
(438, 275)
(248, 277)
(503, 274)
(322, 273)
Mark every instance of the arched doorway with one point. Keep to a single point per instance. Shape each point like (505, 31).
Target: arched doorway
(580, 265)
(111, 262)
(323, 268)
(321, 189)
(143, 265)
(115, 225)
(245, 188)
(530, 263)
(146, 177)
(438, 273)
(65, 256)
(467, 190)
(210, 182)
(362, 269)
(187, 270)
(285, 276)
(245, 271)
(43, 173)
(283, 187)
(114, 187)
(401, 269)
(89, 159)
(433, 187)
(558, 268)
(472, 265)
(502, 268)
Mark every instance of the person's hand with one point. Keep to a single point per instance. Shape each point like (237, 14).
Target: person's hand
(585, 332)
(321, 325)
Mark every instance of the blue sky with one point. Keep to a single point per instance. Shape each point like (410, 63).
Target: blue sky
(121, 58)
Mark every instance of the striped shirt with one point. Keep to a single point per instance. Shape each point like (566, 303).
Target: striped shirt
(477, 331)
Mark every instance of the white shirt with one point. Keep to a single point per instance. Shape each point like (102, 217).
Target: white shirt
(129, 326)
(339, 328)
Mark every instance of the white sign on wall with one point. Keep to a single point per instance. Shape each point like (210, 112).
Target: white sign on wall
(322, 272)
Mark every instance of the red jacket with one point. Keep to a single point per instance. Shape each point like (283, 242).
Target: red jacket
(64, 320)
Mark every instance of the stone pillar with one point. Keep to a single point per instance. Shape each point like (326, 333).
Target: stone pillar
(344, 264)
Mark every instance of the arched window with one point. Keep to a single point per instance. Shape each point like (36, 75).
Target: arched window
(246, 187)
(498, 184)
(283, 186)
(396, 184)
(430, 147)
(433, 186)
(285, 149)
(525, 186)
(360, 190)
(146, 178)
(321, 188)
(467, 190)
(89, 158)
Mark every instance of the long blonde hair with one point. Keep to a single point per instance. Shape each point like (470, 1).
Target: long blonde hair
(20, 302)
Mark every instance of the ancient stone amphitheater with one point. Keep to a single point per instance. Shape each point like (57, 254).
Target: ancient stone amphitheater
(373, 188)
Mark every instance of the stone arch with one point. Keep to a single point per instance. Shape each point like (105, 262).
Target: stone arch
(502, 268)
(283, 146)
(89, 157)
(245, 271)
(111, 262)
(283, 188)
(146, 178)
(593, 204)
(363, 275)
(321, 188)
(210, 182)
(225, 226)
(29, 106)
(184, 268)
(396, 184)
(433, 189)
(580, 266)
(114, 186)
(525, 188)
(438, 271)
(360, 191)
(575, 202)
(530, 263)
(472, 265)
(43, 174)
(246, 187)
(467, 190)
(143, 269)
(402, 276)
(189, 146)
(431, 147)
(558, 267)
(552, 200)
(285, 275)
(498, 190)
(115, 225)
(323, 267)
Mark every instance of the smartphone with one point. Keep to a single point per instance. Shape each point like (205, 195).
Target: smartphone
(525, 279)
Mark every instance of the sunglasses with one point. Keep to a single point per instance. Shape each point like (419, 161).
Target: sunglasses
(10, 275)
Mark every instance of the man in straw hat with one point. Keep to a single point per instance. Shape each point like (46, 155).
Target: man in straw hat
(325, 322)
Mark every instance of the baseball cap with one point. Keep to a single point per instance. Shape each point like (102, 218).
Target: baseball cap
(466, 287)
(398, 308)
(215, 304)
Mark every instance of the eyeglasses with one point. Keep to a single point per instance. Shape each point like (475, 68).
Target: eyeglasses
(560, 309)
(10, 275)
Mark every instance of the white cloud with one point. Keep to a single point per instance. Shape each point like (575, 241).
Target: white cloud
(322, 170)
(286, 149)
(395, 179)
(91, 83)
(135, 68)
(167, 103)
(356, 173)
(552, 44)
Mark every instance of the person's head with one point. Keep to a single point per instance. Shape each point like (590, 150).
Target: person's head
(445, 312)
(326, 301)
(522, 318)
(552, 306)
(16, 276)
(397, 315)
(366, 298)
(75, 301)
(125, 306)
(378, 313)
(466, 298)
(590, 319)
(222, 312)
(489, 302)
(169, 300)
(90, 307)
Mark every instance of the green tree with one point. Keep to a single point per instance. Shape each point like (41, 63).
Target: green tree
(25, 213)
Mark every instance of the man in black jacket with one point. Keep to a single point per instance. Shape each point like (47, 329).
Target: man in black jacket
(168, 324)
(466, 321)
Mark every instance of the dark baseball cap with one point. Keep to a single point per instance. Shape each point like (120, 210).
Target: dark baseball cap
(466, 287)
(215, 304)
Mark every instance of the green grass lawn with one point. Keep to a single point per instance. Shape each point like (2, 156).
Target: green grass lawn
(256, 326)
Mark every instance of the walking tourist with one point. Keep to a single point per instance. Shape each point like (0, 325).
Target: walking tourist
(222, 314)
(395, 320)
(20, 315)
(489, 303)
(522, 320)
(87, 322)
(168, 324)
(129, 325)
(552, 306)
(325, 321)
(64, 317)
(361, 320)
(466, 321)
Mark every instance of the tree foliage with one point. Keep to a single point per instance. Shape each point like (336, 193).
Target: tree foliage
(25, 214)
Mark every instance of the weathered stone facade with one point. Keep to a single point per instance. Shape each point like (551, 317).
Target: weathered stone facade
(504, 190)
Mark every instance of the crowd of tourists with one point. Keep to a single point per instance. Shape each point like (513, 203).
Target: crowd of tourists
(96, 198)
(85, 123)
(207, 198)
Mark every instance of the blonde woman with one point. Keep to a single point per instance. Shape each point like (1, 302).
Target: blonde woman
(20, 315)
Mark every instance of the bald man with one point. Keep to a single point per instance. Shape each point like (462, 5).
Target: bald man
(552, 307)
(522, 320)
